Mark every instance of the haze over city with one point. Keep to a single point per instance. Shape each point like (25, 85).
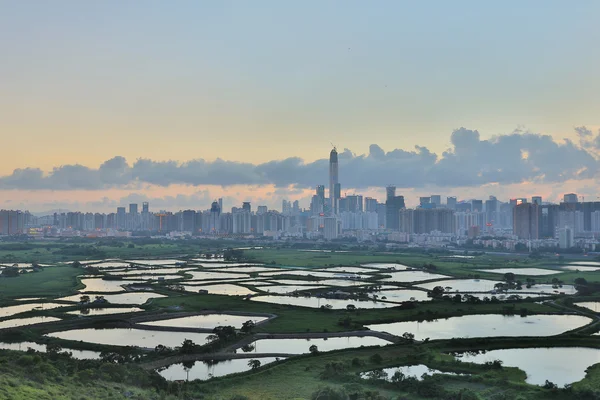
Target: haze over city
(111, 104)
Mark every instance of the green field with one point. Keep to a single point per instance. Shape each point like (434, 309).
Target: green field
(49, 282)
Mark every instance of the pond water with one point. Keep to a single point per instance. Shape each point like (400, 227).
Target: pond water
(411, 276)
(301, 346)
(204, 371)
(28, 298)
(402, 295)
(228, 289)
(410, 371)
(13, 323)
(316, 302)
(100, 285)
(12, 310)
(121, 298)
(597, 263)
(246, 270)
(294, 282)
(591, 305)
(546, 288)
(131, 337)
(560, 365)
(220, 264)
(314, 273)
(153, 271)
(397, 267)
(203, 275)
(106, 264)
(155, 262)
(207, 321)
(352, 270)
(283, 289)
(521, 271)
(23, 346)
(104, 311)
(462, 285)
(469, 326)
(581, 268)
(341, 282)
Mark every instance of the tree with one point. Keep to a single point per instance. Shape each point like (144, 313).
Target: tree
(350, 307)
(224, 332)
(187, 366)
(254, 364)
(53, 348)
(248, 326)
(84, 299)
(76, 264)
(187, 347)
(408, 336)
(313, 349)
(509, 277)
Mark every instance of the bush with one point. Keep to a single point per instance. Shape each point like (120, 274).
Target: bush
(329, 393)
(376, 358)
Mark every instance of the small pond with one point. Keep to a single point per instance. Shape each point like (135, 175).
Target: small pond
(23, 346)
(228, 289)
(409, 371)
(131, 337)
(317, 302)
(122, 298)
(13, 323)
(20, 308)
(411, 276)
(591, 305)
(469, 326)
(301, 346)
(521, 271)
(284, 289)
(206, 370)
(560, 365)
(207, 321)
(104, 311)
(462, 285)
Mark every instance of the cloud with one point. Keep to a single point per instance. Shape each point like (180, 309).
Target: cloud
(470, 161)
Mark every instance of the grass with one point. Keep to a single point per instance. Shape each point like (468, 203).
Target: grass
(49, 282)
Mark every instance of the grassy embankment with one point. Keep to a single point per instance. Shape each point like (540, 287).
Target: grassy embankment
(293, 319)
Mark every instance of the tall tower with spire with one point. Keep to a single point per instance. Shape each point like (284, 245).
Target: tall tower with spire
(334, 185)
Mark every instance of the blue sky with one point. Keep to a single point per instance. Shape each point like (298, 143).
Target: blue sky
(83, 82)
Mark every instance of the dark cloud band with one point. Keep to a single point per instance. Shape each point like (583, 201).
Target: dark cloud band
(507, 159)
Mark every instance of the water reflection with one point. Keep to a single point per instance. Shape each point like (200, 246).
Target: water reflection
(560, 365)
(486, 325)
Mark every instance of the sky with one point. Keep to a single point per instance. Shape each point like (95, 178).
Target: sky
(181, 102)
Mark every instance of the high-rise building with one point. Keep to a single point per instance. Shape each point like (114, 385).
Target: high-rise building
(370, 204)
(451, 202)
(145, 207)
(436, 199)
(133, 208)
(121, 218)
(424, 200)
(261, 210)
(537, 200)
(390, 192)
(246, 206)
(392, 212)
(570, 198)
(565, 238)
(526, 219)
(188, 221)
(333, 181)
(330, 229)
(214, 223)
(477, 205)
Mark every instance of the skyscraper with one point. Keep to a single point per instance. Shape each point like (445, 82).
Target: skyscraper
(526, 220)
(570, 198)
(333, 181)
